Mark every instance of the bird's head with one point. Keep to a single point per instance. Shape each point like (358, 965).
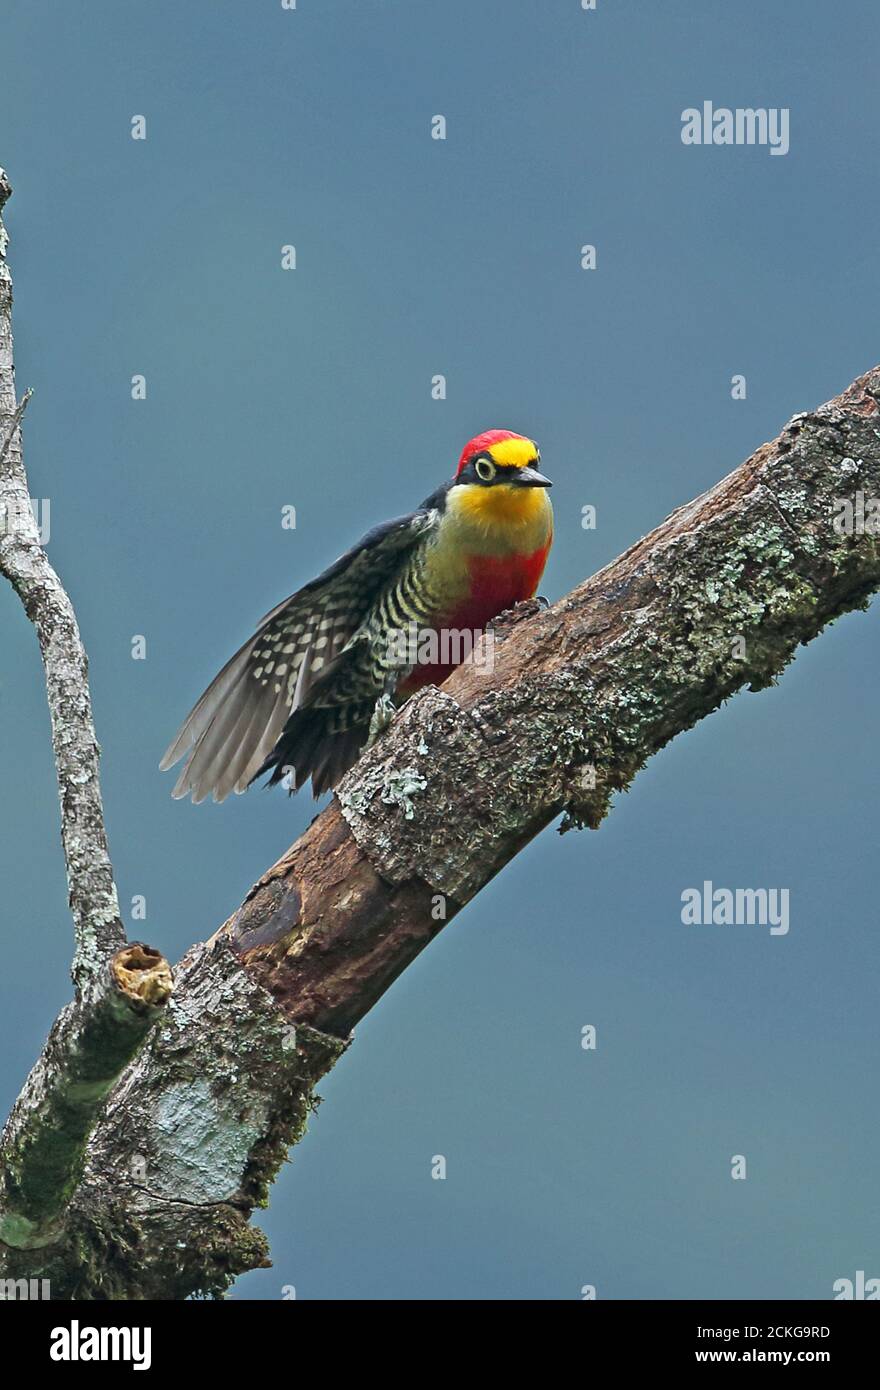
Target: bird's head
(498, 480)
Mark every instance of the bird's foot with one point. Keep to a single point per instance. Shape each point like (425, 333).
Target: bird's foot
(383, 713)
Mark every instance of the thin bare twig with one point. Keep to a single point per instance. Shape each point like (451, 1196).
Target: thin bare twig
(23, 560)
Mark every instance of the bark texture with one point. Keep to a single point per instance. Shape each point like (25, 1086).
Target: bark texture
(717, 598)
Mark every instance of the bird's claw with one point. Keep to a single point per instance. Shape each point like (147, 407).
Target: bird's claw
(383, 713)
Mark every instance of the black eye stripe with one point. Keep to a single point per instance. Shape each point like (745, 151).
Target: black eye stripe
(502, 473)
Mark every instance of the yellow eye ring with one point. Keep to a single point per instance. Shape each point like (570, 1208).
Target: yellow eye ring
(485, 470)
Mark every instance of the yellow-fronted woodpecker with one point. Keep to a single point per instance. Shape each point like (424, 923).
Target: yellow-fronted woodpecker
(325, 669)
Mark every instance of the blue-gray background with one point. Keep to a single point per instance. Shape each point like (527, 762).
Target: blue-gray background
(312, 387)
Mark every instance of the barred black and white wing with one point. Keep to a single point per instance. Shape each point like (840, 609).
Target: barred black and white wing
(232, 729)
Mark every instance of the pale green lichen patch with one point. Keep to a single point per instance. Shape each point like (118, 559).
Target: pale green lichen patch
(393, 788)
(203, 1140)
(400, 788)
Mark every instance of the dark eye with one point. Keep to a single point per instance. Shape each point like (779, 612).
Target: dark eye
(485, 470)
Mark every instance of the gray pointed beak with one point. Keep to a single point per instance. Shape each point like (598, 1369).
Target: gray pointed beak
(530, 477)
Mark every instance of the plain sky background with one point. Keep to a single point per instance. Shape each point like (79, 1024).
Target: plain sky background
(311, 387)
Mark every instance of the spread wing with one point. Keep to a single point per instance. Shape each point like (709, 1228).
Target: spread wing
(234, 726)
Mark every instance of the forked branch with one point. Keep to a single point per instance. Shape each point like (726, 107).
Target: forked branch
(718, 597)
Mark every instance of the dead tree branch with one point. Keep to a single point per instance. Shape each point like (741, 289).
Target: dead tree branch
(120, 989)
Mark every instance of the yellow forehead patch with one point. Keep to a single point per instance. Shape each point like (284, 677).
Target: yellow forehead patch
(514, 453)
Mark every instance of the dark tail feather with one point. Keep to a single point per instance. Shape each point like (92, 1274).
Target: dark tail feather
(311, 746)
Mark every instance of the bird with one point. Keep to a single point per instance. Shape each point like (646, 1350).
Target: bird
(325, 670)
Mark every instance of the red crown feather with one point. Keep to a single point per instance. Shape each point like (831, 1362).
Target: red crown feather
(483, 441)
